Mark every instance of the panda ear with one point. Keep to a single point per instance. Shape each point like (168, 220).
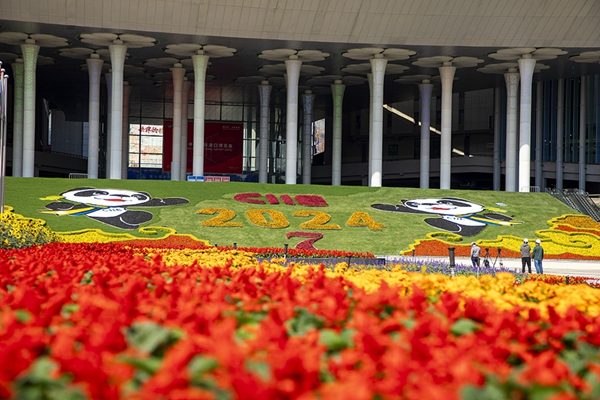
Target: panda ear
(78, 188)
(457, 199)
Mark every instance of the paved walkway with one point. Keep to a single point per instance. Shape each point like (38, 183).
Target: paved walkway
(551, 266)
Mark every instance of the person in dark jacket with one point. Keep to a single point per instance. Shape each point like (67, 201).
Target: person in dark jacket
(526, 255)
(538, 256)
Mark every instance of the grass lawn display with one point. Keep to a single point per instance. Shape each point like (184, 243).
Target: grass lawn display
(303, 216)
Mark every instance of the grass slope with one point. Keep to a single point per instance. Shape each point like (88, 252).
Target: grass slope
(534, 209)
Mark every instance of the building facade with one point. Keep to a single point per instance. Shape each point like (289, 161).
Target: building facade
(439, 94)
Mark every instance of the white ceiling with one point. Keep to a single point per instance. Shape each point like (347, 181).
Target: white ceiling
(430, 28)
(506, 23)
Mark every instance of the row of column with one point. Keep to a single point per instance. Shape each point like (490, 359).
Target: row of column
(522, 164)
(293, 65)
(526, 69)
(118, 114)
(23, 161)
(117, 158)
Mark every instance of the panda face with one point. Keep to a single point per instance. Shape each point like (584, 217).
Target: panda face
(444, 206)
(106, 197)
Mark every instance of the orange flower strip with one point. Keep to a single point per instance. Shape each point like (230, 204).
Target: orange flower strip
(114, 321)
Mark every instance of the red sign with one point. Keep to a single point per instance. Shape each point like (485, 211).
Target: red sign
(223, 147)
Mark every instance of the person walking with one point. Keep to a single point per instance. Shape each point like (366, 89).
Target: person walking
(538, 256)
(526, 255)
(475, 251)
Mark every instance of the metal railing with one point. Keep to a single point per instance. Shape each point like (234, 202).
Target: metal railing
(76, 175)
(577, 199)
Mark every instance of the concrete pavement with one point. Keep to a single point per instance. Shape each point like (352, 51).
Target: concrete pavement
(551, 266)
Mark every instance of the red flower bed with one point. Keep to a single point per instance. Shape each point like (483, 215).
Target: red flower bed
(95, 319)
(566, 228)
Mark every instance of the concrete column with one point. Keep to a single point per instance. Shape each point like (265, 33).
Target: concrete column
(264, 92)
(425, 90)
(582, 131)
(308, 100)
(560, 132)
(378, 65)
(30, 52)
(200, 62)
(526, 67)
(178, 73)
(512, 84)
(94, 64)
(539, 114)
(17, 69)
(109, 84)
(497, 134)
(447, 75)
(117, 60)
(292, 67)
(125, 133)
(185, 94)
(337, 90)
(370, 149)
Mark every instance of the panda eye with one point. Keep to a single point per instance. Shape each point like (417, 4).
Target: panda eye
(446, 202)
(100, 193)
(139, 196)
(89, 193)
(412, 204)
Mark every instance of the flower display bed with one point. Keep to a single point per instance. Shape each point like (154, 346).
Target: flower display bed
(118, 321)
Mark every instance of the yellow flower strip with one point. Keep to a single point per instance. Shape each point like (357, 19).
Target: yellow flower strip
(501, 290)
(93, 236)
(209, 257)
(99, 236)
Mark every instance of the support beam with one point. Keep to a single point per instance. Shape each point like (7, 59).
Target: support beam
(200, 62)
(560, 132)
(30, 52)
(264, 91)
(526, 68)
(17, 169)
(447, 75)
(425, 90)
(125, 133)
(308, 100)
(178, 73)
(337, 90)
(117, 51)
(582, 130)
(378, 65)
(94, 64)
(512, 84)
(497, 136)
(185, 94)
(292, 66)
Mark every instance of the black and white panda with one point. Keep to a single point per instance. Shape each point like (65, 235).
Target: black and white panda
(457, 215)
(109, 206)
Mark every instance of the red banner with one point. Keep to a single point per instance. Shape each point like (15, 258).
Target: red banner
(223, 147)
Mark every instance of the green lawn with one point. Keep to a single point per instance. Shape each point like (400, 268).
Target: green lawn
(533, 209)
